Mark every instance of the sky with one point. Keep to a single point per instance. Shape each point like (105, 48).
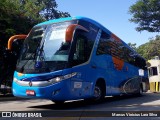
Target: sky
(112, 14)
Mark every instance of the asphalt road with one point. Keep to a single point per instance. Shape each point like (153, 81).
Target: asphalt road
(80, 110)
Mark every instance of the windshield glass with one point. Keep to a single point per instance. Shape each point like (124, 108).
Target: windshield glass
(45, 49)
(55, 47)
(31, 43)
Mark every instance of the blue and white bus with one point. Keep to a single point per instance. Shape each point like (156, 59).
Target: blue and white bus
(76, 58)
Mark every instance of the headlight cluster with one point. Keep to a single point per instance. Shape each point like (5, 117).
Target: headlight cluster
(44, 83)
(15, 79)
(60, 78)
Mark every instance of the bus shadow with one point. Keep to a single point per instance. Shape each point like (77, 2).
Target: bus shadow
(80, 105)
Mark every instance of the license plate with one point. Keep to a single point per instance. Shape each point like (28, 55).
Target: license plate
(30, 92)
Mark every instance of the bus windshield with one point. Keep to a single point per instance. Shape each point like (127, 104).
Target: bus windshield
(45, 49)
(55, 47)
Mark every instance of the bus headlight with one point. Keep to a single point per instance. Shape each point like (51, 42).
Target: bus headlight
(15, 79)
(60, 78)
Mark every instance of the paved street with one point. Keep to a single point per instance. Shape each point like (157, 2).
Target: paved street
(148, 102)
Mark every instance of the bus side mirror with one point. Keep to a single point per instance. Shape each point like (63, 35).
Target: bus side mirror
(11, 39)
(70, 31)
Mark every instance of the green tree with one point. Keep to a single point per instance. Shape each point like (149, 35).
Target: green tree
(18, 17)
(133, 46)
(50, 10)
(151, 49)
(146, 13)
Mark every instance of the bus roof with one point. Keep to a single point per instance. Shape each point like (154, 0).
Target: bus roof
(74, 18)
(86, 19)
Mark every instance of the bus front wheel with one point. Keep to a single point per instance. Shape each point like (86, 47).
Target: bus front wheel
(99, 92)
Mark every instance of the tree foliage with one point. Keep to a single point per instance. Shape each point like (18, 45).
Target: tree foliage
(133, 46)
(18, 17)
(150, 49)
(146, 13)
(50, 11)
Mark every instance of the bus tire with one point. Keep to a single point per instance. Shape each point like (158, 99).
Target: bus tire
(140, 91)
(99, 91)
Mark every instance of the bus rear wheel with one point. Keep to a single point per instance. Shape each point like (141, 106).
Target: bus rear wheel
(140, 91)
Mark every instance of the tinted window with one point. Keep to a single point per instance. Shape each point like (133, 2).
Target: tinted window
(83, 43)
(79, 53)
(104, 45)
(140, 62)
(110, 46)
(116, 49)
(91, 35)
(80, 49)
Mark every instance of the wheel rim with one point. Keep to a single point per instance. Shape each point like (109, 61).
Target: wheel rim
(97, 92)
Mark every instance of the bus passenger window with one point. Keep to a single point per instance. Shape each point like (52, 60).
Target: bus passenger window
(104, 45)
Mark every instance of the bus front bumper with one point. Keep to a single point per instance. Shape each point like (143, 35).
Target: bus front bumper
(52, 92)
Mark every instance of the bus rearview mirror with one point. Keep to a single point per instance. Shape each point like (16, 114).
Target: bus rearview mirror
(11, 39)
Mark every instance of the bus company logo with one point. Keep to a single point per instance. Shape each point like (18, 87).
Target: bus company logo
(30, 83)
(21, 114)
(6, 114)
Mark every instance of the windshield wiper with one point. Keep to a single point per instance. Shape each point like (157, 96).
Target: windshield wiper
(40, 60)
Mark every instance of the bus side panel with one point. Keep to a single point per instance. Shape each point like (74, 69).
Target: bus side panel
(102, 68)
(81, 85)
(124, 81)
